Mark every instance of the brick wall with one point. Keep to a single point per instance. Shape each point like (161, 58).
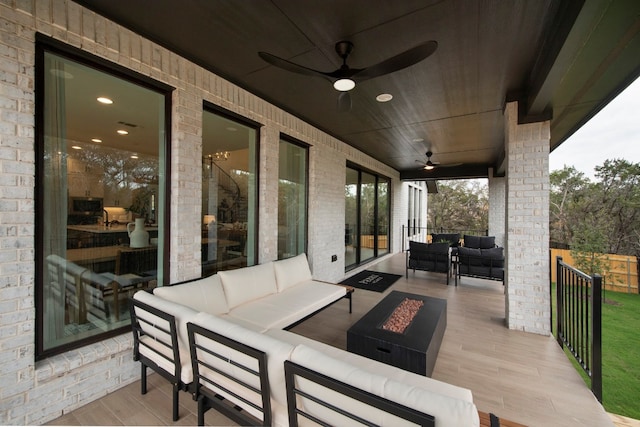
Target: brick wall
(34, 393)
(527, 220)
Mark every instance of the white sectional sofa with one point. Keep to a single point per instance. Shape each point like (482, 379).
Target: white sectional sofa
(224, 342)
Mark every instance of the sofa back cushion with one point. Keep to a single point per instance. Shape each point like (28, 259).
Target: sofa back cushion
(248, 284)
(479, 242)
(204, 295)
(448, 411)
(291, 271)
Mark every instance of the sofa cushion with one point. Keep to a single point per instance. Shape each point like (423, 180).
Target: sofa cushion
(277, 351)
(493, 257)
(248, 284)
(469, 256)
(204, 295)
(183, 315)
(285, 308)
(292, 271)
(479, 242)
(448, 411)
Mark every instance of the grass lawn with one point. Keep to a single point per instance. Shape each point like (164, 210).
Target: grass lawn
(620, 354)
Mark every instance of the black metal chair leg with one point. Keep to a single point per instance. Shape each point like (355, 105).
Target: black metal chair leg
(201, 409)
(143, 379)
(176, 390)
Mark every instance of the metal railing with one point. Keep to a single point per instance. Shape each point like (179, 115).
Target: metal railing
(579, 320)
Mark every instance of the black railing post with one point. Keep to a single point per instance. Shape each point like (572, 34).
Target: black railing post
(559, 300)
(596, 362)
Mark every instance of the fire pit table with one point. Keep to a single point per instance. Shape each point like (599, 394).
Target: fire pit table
(403, 330)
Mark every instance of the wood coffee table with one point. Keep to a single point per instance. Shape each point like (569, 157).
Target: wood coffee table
(414, 350)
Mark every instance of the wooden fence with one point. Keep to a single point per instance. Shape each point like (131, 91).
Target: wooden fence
(621, 275)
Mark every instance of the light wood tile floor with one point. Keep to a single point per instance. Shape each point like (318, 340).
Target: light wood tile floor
(516, 375)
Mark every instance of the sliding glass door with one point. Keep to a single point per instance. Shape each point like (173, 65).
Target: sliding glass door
(366, 216)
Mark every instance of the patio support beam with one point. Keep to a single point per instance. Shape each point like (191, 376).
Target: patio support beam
(527, 295)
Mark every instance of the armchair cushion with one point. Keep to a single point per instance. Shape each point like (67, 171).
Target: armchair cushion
(492, 257)
(479, 242)
(470, 256)
(248, 284)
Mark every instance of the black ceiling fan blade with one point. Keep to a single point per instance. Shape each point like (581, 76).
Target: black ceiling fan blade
(398, 62)
(344, 102)
(290, 66)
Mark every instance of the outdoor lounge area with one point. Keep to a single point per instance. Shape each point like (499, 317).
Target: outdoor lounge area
(521, 377)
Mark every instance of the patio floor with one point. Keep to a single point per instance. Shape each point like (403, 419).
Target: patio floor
(518, 376)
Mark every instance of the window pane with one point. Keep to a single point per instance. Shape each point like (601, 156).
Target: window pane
(351, 218)
(228, 194)
(102, 192)
(367, 216)
(383, 216)
(292, 200)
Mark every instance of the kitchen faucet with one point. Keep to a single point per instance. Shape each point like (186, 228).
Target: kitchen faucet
(106, 223)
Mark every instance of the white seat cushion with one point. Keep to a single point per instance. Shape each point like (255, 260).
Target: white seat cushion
(204, 295)
(248, 284)
(291, 271)
(285, 308)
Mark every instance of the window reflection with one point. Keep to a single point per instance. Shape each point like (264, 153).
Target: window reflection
(228, 194)
(101, 164)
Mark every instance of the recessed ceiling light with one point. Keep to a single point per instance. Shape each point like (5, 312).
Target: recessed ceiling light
(76, 147)
(134, 156)
(96, 140)
(384, 97)
(122, 132)
(417, 140)
(104, 100)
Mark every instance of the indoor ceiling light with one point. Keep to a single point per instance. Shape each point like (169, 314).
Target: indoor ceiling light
(134, 156)
(429, 166)
(104, 100)
(344, 85)
(384, 97)
(76, 147)
(122, 132)
(96, 140)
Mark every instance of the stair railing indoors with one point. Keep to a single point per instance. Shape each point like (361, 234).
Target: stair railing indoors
(579, 320)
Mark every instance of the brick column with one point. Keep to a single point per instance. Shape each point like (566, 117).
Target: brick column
(527, 305)
(497, 207)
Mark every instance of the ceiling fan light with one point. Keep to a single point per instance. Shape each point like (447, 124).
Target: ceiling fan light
(344, 85)
(429, 166)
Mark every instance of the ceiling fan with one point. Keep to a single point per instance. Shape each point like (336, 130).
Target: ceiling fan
(430, 165)
(345, 78)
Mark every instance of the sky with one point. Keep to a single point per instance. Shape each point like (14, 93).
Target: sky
(613, 133)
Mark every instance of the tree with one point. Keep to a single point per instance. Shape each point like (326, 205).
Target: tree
(460, 205)
(566, 202)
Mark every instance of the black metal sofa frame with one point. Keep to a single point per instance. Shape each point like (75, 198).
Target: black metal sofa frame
(204, 384)
(480, 263)
(428, 257)
(293, 370)
(164, 337)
